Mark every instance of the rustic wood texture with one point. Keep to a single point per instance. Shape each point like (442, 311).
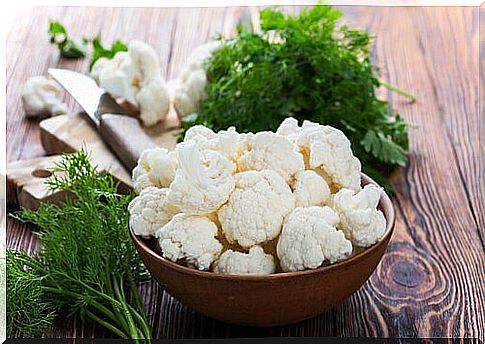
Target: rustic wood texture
(126, 138)
(431, 280)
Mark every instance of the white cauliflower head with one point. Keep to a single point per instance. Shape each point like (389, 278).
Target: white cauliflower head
(360, 219)
(256, 208)
(189, 90)
(309, 238)
(270, 151)
(156, 167)
(227, 142)
(237, 263)
(135, 76)
(40, 97)
(326, 149)
(149, 211)
(310, 189)
(191, 238)
(203, 180)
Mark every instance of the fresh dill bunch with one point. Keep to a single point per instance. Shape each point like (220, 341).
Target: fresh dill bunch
(91, 263)
(308, 67)
(30, 312)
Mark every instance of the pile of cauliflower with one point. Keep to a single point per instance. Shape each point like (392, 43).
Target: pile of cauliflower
(256, 203)
(134, 78)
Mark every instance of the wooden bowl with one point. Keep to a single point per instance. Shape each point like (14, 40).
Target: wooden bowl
(269, 300)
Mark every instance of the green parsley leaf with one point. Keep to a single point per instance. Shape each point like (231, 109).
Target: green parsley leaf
(68, 47)
(100, 51)
(384, 148)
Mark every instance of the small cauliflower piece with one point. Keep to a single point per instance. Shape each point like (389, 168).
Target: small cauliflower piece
(156, 167)
(237, 263)
(256, 208)
(326, 149)
(116, 76)
(190, 238)
(270, 151)
(153, 102)
(135, 76)
(189, 89)
(227, 142)
(289, 128)
(203, 180)
(310, 189)
(40, 97)
(309, 238)
(360, 219)
(329, 149)
(149, 211)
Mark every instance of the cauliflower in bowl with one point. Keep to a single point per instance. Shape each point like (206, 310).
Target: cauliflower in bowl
(243, 203)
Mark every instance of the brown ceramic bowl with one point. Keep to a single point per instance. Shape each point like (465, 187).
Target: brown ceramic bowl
(269, 300)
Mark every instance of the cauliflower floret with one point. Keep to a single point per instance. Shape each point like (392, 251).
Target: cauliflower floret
(189, 89)
(199, 133)
(116, 76)
(257, 207)
(309, 238)
(40, 97)
(271, 151)
(135, 76)
(203, 180)
(310, 189)
(149, 211)
(360, 219)
(153, 102)
(156, 167)
(326, 149)
(237, 263)
(329, 149)
(190, 238)
(227, 142)
(289, 128)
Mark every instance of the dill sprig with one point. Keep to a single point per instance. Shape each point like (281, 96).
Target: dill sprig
(29, 311)
(91, 266)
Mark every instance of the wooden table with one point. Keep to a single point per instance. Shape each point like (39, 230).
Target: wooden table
(431, 280)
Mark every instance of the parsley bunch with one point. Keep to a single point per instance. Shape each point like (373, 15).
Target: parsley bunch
(88, 262)
(307, 67)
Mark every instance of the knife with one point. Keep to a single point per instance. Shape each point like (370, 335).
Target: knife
(123, 134)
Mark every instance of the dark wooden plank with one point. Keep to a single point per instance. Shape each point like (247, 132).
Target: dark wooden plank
(429, 283)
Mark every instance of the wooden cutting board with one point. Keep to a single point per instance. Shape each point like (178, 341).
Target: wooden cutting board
(68, 134)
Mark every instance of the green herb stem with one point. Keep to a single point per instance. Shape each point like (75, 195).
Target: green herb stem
(398, 90)
(106, 324)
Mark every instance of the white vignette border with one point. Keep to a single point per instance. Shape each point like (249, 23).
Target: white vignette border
(10, 10)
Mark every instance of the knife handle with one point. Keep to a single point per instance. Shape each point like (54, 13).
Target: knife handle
(125, 137)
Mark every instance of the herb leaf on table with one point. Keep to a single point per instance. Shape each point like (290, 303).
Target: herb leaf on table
(68, 47)
(101, 51)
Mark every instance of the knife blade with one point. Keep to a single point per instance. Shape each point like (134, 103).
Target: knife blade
(124, 135)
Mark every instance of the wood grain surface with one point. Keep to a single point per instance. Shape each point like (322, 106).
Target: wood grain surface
(431, 280)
